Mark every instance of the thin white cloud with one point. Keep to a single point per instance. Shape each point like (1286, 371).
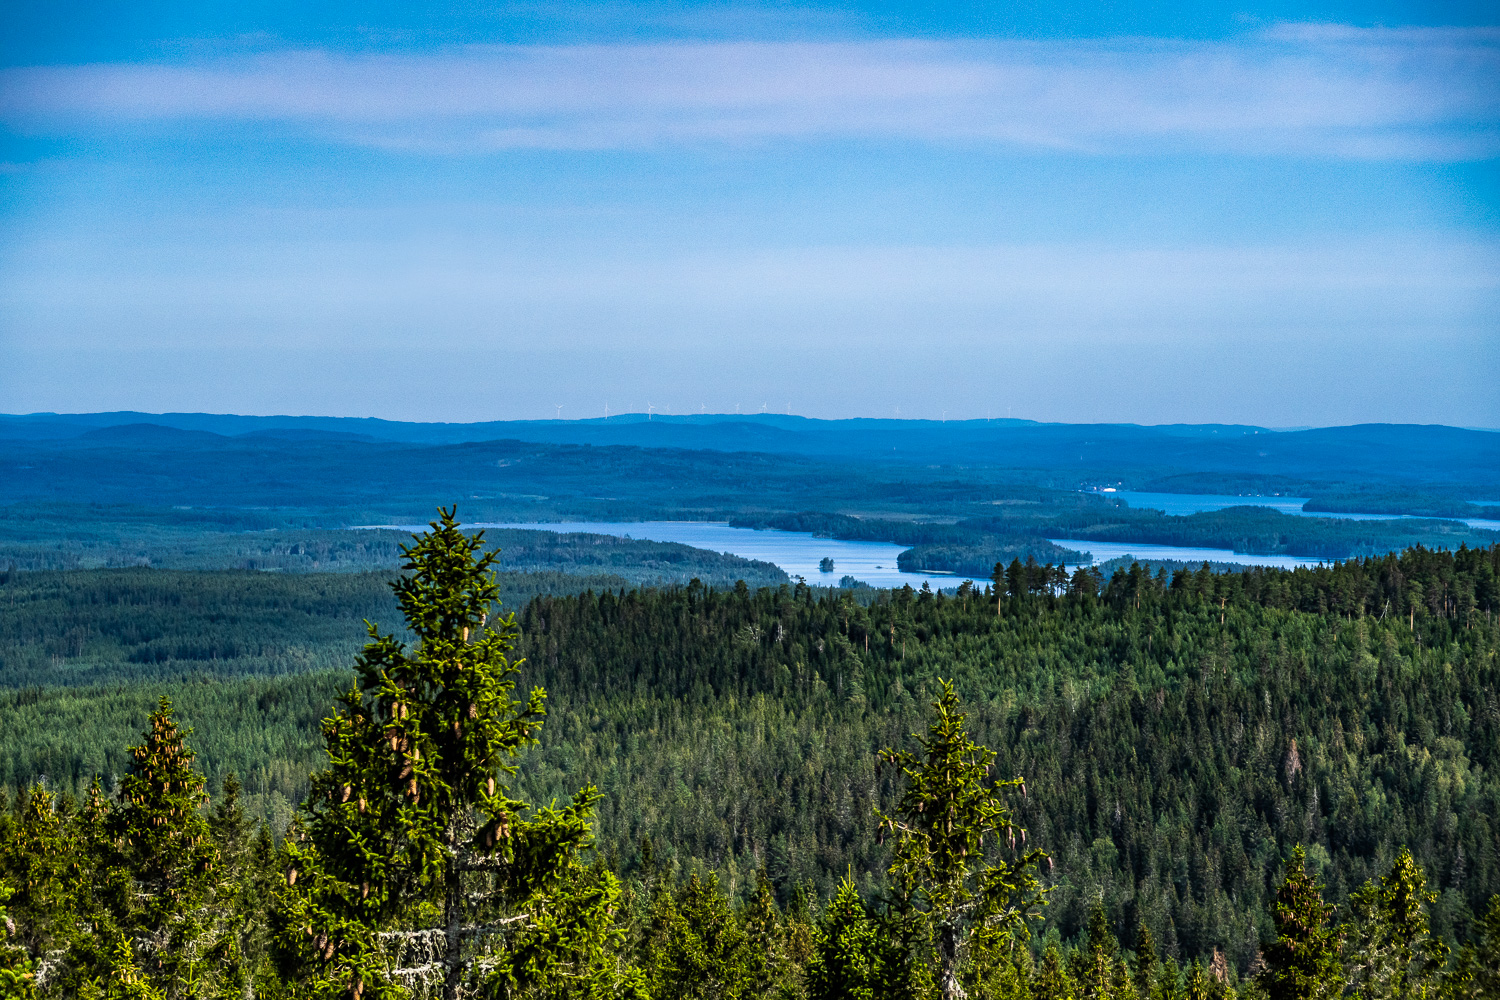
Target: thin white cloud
(1323, 90)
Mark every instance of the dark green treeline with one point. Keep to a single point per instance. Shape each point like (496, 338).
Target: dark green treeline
(1177, 736)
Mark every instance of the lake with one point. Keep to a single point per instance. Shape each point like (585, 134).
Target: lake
(874, 563)
(795, 552)
(1105, 551)
(1192, 503)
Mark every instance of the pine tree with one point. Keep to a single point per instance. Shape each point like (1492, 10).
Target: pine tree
(949, 821)
(408, 846)
(1302, 963)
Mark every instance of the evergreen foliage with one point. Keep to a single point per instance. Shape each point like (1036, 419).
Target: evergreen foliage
(407, 843)
(1392, 954)
(1177, 736)
(943, 874)
(1303, 962)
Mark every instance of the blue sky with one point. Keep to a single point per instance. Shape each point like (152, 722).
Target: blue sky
(1282, 214)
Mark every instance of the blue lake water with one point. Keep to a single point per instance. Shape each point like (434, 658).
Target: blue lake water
(874, 563)
(1105, 551)
(795, 552)
(1192, 503)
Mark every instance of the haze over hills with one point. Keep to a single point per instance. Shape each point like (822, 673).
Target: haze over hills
(100, 489)
(1187, 458)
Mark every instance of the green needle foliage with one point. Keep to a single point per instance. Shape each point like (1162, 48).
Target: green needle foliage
(17, 970)
(1303, 962)
(1475, 973)
(846, 962)
(158, 830)
(948, 825)
(410, 864)
(1391, 954)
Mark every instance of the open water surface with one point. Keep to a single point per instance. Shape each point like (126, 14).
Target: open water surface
(874, 563)
(796, 552)
(1105, 551)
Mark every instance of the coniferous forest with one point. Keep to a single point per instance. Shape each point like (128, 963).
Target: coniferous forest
(1044, 785)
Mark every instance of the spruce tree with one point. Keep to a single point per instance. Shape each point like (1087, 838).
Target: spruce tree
(1199, 986)
(695, 947)
(1475, 972)
(410, 864)
(846, 958)
(1098, 957)
(39, 857)
(1051, 981)
(245, 887)
(151, 905)
(1390, 953)
(949, 826)
(1145, 962)
(1302, 963)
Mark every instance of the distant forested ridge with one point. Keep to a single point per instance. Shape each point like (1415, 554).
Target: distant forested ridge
(1178, 735)
(144, 489)
(92, 536)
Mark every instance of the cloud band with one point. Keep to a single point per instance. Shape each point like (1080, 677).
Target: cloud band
(1297, 89)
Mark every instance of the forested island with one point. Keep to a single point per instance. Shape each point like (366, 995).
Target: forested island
(1049, 784)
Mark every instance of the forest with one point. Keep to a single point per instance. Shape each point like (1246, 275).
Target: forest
(1049, 783)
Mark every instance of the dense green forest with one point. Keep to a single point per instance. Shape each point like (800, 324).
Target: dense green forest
(88, 536)
(1177, 735)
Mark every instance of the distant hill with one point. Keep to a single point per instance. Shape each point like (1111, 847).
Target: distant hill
(149, 434)
(1446, 462)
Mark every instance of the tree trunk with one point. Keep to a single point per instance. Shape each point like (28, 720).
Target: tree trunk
(948, 963)
(453, 902)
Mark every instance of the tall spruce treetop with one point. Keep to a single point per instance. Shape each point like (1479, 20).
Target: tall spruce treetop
(158, 826)
(1303, 962)
(409, 827)
(949, 825)
(1391, 952)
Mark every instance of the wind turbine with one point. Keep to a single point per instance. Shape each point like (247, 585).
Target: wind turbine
(648, 409)
(559, 410)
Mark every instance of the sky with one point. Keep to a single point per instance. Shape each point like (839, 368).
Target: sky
(1277, 213)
